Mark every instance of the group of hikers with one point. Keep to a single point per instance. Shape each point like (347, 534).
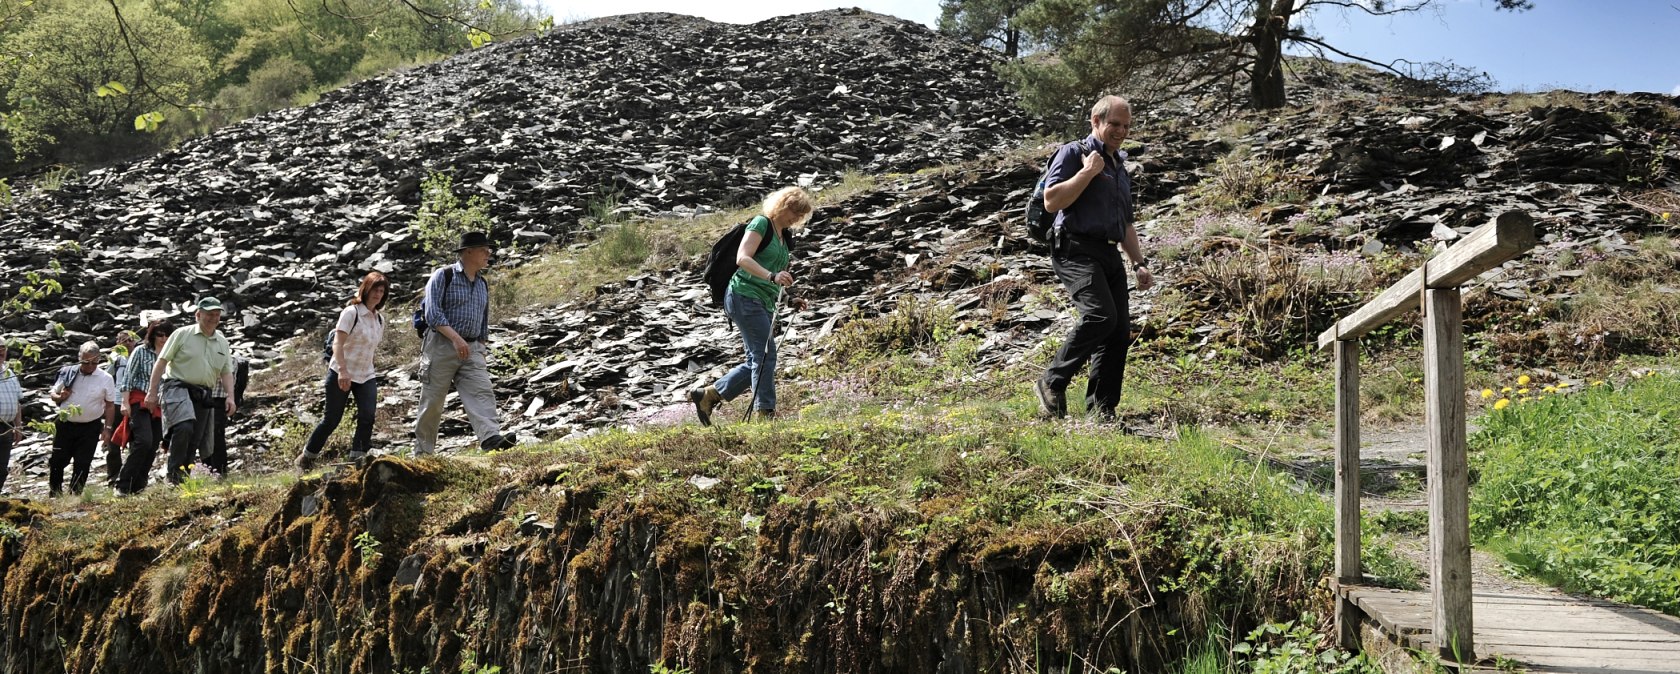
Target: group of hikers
(177, 386)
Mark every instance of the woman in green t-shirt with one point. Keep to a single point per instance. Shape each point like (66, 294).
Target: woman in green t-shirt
(751, 303)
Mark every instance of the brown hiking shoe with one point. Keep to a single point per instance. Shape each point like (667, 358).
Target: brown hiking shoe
(306, 461)
(706, 399)
(1051, 403)
(764, 415)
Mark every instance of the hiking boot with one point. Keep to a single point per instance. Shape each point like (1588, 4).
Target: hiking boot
(497, 442)
(306, 460)
(357, 457)
(764, 415)
(1051, 403)
(706, 399)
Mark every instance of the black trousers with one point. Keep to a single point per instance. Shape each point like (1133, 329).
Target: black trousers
(217, 459)
(367, 398)
(73, 445)
(113, 463)
(5, 451)
(145, 431)
(1094, 273)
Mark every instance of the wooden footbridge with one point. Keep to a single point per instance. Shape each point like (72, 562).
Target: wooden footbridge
(1540, 633)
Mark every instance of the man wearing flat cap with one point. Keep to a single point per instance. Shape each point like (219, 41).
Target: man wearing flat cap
(192, 362)
(456, 307)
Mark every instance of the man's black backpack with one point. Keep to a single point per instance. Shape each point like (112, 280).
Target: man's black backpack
(1041, 221)
(720, 263)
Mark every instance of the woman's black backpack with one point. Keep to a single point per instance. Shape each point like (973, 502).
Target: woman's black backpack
(720, 263)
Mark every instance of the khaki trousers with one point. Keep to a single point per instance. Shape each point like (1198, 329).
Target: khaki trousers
(441, 368)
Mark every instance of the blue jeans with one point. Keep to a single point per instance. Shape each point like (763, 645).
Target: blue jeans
(759, 372)
(367, 396)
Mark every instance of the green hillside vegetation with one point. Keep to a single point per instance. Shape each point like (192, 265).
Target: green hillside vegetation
(1070, 526)
(1579, 488)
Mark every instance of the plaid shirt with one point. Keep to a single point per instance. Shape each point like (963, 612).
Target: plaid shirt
(465, 306)
(11, 394)
(138, 375)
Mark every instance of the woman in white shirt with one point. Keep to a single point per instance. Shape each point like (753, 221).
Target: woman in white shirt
(350, 371)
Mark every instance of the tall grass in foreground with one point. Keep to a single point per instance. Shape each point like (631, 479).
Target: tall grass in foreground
(1581, 490)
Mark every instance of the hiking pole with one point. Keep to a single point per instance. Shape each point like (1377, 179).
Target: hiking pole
(774, 311)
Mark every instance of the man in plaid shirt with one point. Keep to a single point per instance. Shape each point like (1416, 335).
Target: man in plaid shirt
(457, 312)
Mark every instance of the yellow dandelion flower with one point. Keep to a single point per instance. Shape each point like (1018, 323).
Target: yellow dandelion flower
(1598, 383)
(1502, 404)
(1522, 391)
(1487, 393)
(1564, 384)
(1523, 380)
(1665, 216)
(1550, 389)
(1506, 389)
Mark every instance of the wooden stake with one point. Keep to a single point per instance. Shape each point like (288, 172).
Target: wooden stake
(1348, 571)
(1449, 473)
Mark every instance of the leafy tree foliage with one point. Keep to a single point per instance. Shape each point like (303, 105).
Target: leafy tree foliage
(1156, 49)
(94, 71)
(72, 74)
(984, 22)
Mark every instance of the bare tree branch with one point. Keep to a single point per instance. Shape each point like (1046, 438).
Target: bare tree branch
(1398, 9)
(139, 68)
(1323, 46)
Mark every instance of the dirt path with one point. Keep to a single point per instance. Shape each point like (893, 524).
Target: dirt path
(1393, 476)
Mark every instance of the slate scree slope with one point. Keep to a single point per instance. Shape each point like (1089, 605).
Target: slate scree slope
(278, 215)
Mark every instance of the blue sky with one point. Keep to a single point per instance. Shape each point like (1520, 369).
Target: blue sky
(1587, 45)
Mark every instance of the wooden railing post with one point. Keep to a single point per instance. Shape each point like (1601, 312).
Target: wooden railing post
(1348, 571)
(1449, 473)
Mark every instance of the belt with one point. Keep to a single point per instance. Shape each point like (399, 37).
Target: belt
(464, 338)
(1087, 238)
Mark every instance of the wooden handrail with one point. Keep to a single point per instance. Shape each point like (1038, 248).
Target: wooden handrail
(1504, 238)
(1433, 287)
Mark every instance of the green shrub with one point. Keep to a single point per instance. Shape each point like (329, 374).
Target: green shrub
(913, 325)
(271, 86)
(442, 218)
(1581, 489)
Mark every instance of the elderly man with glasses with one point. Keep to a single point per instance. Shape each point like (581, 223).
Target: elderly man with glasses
(86, 396)
(194, 360)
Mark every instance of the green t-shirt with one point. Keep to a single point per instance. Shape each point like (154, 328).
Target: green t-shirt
(774, 258)
(194, 358)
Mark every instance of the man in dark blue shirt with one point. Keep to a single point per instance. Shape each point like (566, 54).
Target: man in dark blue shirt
(1088, 189)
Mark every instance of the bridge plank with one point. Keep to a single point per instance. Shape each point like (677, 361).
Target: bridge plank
(1543, 633)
